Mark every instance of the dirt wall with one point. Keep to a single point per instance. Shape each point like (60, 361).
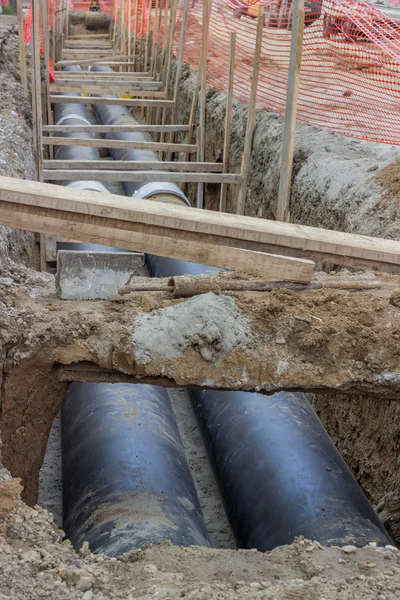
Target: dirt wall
(17, 157)
(338, 183)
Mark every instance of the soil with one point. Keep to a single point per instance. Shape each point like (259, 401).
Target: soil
(202, 473)
(36, 563)
(16, 148)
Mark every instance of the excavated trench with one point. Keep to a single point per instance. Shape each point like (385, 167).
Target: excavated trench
(365, 431)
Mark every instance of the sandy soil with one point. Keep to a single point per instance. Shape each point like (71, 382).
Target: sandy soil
(36, 564)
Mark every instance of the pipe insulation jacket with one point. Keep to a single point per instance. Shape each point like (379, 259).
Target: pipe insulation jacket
(279, 473)
(119, 115)
(126, 481)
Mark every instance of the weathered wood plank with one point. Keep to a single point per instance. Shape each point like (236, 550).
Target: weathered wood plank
(21, 208)
(90, 83)
(100, 143)
(144, 176)
(113, 128)
(110, 101)
(186, 225)
(107, 89)
(134, 165)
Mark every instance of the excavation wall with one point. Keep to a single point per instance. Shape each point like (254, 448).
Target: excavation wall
(338, 183)
(16, 143)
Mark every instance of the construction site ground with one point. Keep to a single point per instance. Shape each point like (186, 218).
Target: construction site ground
(338, 183)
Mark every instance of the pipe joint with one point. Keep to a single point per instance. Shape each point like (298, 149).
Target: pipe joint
(161, 192)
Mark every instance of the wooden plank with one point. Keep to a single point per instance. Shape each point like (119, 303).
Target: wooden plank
(21, 41)
(228, 119)
(100, 143)
(82, 76)
(114, 129)
(246, 159)
(88, 84)
(110, 101)
(82, 52)
(178, 71)
(143, 176)
(135, 27)
(94, 61)
(106, 89)
(203, 100)
(86, 46)
(103, 63)
(91, 228)
(134, 165)
(187, 224)
(92, 35)
(46, 53)
(88, 43)
(296, 45)
(37, 108)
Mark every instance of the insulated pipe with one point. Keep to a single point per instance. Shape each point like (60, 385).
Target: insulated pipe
(119, 115)
(126, 481)
(76, 114)
(280, 474)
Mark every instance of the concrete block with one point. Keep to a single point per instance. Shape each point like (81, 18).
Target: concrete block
(95, 275)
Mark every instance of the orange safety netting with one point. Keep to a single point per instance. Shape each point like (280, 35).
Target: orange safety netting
(27, 34)
(350, 68)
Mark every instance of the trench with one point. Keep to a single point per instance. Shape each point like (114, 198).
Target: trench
(336, 509)
(345, 431)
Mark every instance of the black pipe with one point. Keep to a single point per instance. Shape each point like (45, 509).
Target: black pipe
(280, 474)
(126, 481)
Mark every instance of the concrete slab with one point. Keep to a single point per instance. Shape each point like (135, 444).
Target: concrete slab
(95, 275)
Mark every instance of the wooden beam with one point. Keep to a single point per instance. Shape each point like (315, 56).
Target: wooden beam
(88, 84)
(92, 35)
(106, 89)
(100, 143)
(21, 41)
(114, 129)
(110, 101)
(186, 225)
(203, 99)
(246, 158)
(94, 61)
(134, 165)
(84, 216)
(37, 108)
(228, 119)
(142, 176)
(82, 52)
(111, 76)
(296, 45)
(178, 72)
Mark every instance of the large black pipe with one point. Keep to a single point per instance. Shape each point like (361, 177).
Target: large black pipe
(280, 474)
(126, 481)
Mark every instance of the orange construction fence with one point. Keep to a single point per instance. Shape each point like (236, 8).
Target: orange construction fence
(27, 34)
(350, 68)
